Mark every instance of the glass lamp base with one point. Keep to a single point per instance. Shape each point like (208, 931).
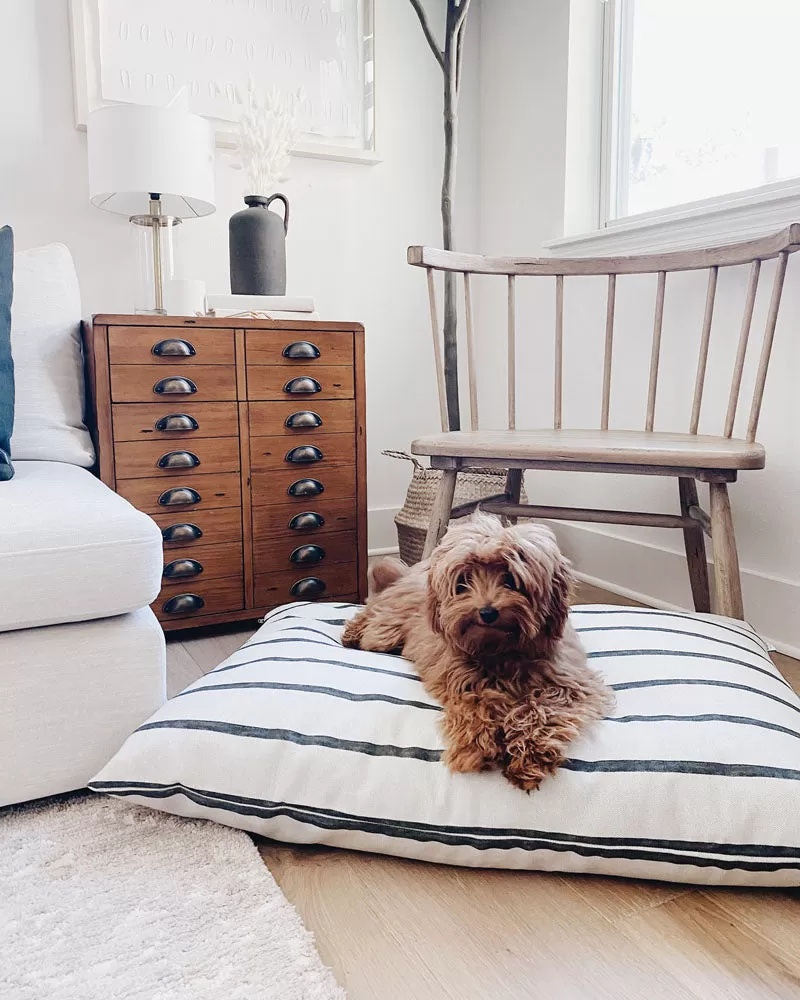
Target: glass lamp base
(155, 263)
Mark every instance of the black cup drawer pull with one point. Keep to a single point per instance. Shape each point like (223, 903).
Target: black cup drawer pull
(306, 488)
(177, 422)
(308, 519)
(178, 460)
(303, 419)
(302, 384)
(179, 568)
(174, 386)
(182, 604)
(301, 349)
(178, 496)
(304, 454)
(181, 533)
(307, 554)
(310, 586)
(174, 348)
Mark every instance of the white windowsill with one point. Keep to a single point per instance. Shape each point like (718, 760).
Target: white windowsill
(715, 221)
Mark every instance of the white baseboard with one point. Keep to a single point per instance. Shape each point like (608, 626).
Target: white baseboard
(657, 576)
(632, 595)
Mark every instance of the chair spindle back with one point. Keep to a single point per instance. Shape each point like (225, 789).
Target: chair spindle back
(753, 252)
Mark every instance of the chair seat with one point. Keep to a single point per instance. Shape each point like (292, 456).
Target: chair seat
(594, 447)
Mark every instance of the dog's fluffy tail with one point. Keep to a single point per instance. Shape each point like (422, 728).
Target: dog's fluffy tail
(385, 572)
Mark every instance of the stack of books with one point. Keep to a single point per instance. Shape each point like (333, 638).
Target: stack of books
(262, 306)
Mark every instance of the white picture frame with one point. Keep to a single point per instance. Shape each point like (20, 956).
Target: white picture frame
(154, 69)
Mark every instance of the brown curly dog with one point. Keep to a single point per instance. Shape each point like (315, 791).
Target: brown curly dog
(485, 622)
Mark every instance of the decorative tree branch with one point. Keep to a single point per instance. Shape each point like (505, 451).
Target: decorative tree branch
(450, 60)
(423, 20)
(460, 41)
(463, 9)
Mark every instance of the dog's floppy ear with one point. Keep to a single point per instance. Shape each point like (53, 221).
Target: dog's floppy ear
(559, 600)
(545, 574)
(384, 573)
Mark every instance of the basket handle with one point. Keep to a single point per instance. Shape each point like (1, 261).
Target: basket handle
(391, 453)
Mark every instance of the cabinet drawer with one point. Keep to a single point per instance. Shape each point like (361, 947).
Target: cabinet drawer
(306, 555)
(175, 385)
(153, 495)
(277, 588)
(138, 459)
(295, 419)
(210, 563)
(163, 345)
(332, 483)
(304, 522)
(306, 456)
(197, 529)
(206, 597)
(174, 421)
(298, 347)
(277, 382)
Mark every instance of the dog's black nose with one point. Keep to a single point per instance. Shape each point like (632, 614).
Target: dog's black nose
(489, 615)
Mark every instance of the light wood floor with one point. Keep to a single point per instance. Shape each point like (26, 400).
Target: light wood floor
(402, 930)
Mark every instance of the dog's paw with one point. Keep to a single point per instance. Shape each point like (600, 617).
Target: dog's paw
(528, 781)
(528, 771)
(351, 637)
(468, 759)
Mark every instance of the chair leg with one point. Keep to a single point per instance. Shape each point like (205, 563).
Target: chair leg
(440, 515)
(694, 540)
(728, 597)
(513, 489)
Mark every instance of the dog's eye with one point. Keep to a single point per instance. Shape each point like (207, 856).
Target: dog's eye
(509, 582)
(461, 585)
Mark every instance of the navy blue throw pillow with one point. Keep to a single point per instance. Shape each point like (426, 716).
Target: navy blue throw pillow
(6, 364)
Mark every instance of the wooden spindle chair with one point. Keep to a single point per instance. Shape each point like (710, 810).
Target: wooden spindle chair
(690, 457)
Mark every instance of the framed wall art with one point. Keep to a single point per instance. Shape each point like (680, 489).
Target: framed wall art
(319, 53)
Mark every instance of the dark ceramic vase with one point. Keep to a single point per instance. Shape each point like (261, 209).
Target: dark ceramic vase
(257, 242)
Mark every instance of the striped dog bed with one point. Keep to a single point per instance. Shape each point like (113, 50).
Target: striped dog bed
(695, 777)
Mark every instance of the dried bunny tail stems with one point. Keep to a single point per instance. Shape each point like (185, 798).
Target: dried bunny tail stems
(266, 134)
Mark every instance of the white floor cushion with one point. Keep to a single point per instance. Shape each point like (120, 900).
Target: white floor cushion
(695, 778)
(71, 549)
(48, 362)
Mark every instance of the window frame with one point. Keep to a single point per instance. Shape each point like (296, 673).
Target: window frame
(724, 218)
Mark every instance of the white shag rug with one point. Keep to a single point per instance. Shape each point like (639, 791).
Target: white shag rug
(100, 900)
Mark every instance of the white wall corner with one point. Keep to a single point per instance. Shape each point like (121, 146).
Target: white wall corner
(584, 116)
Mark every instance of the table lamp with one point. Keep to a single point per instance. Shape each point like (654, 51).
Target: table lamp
(155, 165)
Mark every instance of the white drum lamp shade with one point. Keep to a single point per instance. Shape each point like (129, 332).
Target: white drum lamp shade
(135, 151)
(155, 165)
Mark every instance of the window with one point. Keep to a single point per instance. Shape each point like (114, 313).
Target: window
(701, 100)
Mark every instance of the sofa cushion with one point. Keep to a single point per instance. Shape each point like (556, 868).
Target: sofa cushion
(6, 364)
(71, 549)
(46, 341)
(71, 694)
(694, 776)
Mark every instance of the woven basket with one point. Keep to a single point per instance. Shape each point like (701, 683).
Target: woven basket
(413, 518)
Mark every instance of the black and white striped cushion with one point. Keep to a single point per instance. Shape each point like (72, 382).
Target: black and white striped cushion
(695, 777)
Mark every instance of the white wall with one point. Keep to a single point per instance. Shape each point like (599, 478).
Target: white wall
(350, 223)
(524, 49)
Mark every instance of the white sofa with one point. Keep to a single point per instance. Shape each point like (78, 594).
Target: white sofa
(82, 657)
